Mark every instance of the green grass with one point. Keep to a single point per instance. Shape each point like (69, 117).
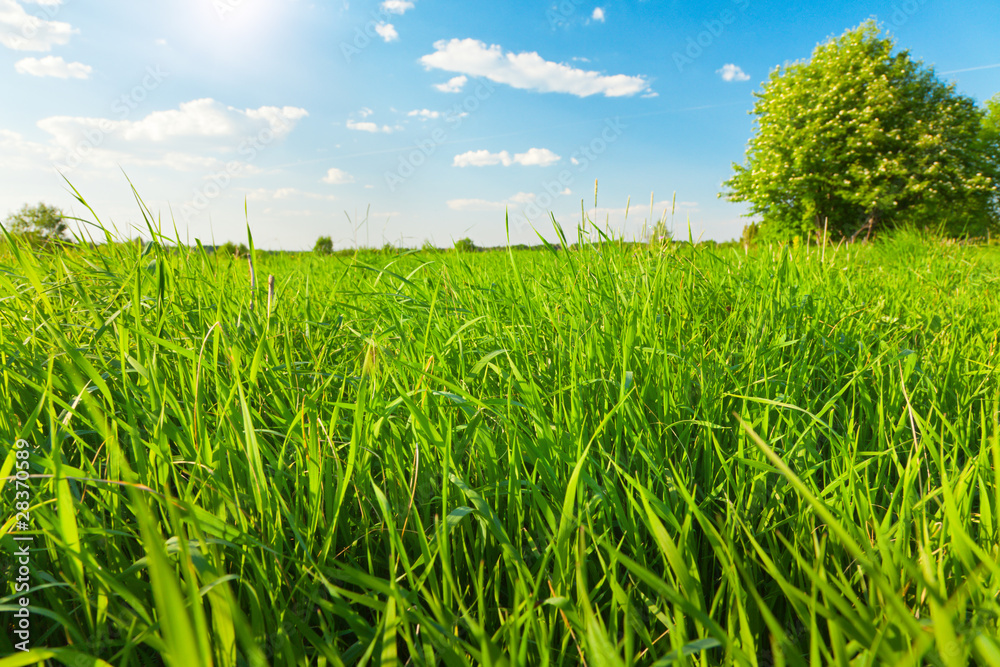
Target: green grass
(610, 455)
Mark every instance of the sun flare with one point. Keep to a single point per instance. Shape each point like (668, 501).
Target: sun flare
(233, 27)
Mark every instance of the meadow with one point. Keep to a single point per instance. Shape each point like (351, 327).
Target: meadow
(603, 454)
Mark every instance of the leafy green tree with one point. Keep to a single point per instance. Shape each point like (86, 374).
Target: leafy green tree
(465, 245)
(660, 237)
(991, 119)
(324, 246)
(41, 224)
(990, 138)
(863, 138)
(750, 234)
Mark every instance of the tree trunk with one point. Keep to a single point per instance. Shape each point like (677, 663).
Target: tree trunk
(868, 226)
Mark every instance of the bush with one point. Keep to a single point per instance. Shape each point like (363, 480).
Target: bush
(324, 246)
(39, 224)
(465, 245)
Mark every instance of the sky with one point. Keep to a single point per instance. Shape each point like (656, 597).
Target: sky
(407, 121)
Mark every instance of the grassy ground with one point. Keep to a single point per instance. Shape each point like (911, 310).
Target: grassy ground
(604, 456)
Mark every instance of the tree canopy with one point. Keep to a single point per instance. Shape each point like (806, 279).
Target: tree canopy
(861, 138)
(41, 223)
(991, 120)
(324, 246)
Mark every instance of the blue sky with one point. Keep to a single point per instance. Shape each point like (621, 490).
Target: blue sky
(434, 116)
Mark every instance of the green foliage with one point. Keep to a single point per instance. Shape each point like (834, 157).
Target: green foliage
(324, 246)
(465, 245)
(511, 458)
(749, 236)
(232, 250)
(991, 119)
(864, 138)
(660, 236)
(990, 140)
(40, 224)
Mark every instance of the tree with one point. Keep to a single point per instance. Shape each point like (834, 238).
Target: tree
(660, 236)
(990, 139)
(863, 138)
(465, 245)
(324, 246)
(991, 119)
(40, 224)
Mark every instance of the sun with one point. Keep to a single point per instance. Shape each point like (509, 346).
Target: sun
(233, 27)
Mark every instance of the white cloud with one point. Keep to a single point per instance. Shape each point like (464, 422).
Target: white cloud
(541, 157)
(514, 201)
(482, 158)
(264, 194)
(22, 155)
(161, 42)
(336, 176)
(396, 6)
(363, 126)
(368, 126)
(731, 72)
(199, 135)
(198, 118)
(53, 66)
(387, 32)
(527, 70)
(425, 114)
(21, 31)
(452, 85)
(598, 14)
(476, 205)
(295, 193)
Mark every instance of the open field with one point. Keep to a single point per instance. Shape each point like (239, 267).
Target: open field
(606, 456)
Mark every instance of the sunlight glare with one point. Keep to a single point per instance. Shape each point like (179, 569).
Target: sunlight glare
(232, 28)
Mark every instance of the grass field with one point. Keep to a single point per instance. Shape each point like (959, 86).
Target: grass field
(610, 455)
